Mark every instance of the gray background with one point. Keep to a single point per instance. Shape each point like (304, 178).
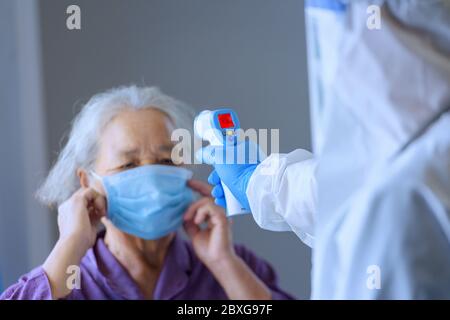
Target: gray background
(248, 54)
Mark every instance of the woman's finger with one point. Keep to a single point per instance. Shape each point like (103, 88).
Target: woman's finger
(98, 202)
(201, 215)
(100, 205)
(105, 221)
(200, 186)
(211, 213)
(190, 212)
(94, 202)
(191, 228)
(88, 193)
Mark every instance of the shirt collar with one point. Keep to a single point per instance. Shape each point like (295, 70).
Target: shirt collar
(176, 271)
(173, 278)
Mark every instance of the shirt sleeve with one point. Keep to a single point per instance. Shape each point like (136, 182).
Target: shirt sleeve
(282, 194)
(32, 286)
(264, 272)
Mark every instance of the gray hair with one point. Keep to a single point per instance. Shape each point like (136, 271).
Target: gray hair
(80, 150)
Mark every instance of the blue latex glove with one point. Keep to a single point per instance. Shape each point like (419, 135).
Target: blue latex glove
(234, 165)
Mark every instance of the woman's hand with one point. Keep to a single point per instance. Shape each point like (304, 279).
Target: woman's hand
(212, 243)
(78, 218)
(214, 247)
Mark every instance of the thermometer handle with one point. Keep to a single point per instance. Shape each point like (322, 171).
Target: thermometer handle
(233, 205)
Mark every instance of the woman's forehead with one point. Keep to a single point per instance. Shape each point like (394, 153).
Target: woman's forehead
(134, 129)
(150, 115)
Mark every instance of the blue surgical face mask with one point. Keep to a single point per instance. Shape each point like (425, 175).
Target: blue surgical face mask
(148, 201)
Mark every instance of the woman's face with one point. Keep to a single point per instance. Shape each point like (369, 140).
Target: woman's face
(135, 138)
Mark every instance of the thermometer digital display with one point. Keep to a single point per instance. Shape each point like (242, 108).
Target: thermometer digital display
(225, 120)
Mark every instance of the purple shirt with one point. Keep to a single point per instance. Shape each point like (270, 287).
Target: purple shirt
(183, 276)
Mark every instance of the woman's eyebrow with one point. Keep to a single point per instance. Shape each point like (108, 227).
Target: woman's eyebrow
(133, 151)
(165, 148)
(128, 152)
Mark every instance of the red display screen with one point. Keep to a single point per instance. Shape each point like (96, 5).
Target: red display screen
(225, 120)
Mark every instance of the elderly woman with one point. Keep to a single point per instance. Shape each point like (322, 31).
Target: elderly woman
(117, 170)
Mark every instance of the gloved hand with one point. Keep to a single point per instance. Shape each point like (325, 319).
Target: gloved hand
(234, 165)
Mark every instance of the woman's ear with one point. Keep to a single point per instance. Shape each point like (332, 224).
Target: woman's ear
(83, 176)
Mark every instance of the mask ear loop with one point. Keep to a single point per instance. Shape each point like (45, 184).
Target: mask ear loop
(95, 175)
(100, 179)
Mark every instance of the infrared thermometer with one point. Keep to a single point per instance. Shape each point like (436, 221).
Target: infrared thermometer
(219, 128)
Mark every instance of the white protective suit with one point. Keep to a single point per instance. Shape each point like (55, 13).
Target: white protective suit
(374, 202)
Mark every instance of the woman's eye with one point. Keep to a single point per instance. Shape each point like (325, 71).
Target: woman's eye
(167, 161)
(128, 165)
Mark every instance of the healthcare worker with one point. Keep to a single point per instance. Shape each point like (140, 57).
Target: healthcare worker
(374, 200)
